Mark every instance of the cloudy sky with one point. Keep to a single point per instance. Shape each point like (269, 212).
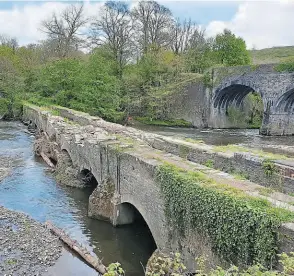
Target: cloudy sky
(261, 23)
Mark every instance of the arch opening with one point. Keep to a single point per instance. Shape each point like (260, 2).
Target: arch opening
(67, 173)
(285, 103)
(241, 105)
(88, 179)
(131, 219)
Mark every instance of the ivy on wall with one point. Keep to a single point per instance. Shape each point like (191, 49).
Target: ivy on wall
(241, 229)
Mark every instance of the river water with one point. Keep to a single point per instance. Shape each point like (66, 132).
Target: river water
(32, 189)
(249, 137)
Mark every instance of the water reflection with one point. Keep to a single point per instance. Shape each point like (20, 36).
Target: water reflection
(34, 191)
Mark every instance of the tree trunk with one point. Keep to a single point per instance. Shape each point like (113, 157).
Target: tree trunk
(47, 160)
(93, 261)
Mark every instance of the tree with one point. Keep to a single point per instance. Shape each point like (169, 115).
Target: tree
(199, 54)
(114, 28)
(152, 23)
(8, 41)
(181, 33)
(11, 81)
(231, 50)
(63, 30)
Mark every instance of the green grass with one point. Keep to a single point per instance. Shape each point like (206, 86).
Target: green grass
(209, 163)
(272, 55)
(265, 191)
(259, 153)
(194, 141)
(240, 176)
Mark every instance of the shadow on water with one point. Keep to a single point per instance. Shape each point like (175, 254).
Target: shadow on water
(33, 190)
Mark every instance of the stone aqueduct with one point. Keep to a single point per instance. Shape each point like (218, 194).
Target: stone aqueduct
(126, 174)
(231, 85)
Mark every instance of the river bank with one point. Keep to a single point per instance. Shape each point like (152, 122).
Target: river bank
(26, 246)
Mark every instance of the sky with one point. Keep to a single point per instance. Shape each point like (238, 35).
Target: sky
(262, 24)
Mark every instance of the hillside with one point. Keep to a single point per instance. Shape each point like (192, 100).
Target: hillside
(272, 55)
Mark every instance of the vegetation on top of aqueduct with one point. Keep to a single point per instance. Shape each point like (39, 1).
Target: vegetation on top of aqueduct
(241, 229)
(127, 71)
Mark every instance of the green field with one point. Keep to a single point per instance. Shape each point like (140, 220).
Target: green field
(272, 55)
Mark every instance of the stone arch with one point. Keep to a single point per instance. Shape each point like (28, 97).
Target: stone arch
(285, 103)
(126, 214)
(88, 178)
(232, 94)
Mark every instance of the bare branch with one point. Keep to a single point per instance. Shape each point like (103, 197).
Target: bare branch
(114, 28)
(64, 29)
(152, 22)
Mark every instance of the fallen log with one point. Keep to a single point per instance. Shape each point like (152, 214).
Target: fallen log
(47, 160)
(91, 260)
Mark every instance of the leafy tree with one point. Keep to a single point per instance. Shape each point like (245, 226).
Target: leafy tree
(199, 57)
(230, 50)
(100, 92)
(11, 81)
(90, 86)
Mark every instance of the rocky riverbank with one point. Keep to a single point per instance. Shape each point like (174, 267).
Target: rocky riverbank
(5, 167)
(26, 246)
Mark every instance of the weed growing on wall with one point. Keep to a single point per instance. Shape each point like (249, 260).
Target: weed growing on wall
(114, 269)
(269, 167)
(242, 229)
(209, 163)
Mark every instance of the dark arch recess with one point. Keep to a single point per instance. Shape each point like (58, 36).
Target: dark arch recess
(286, 102)
(88, 178)
(142, 237)
(129, 214)
(233, 94)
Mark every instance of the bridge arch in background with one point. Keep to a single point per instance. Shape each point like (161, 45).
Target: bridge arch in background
(231, 95)
(285, 103)
(231, 106)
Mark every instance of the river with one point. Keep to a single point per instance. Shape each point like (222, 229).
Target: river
(248, 137)
(32, 189)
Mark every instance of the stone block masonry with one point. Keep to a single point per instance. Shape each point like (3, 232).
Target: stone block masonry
(240, 161)
(126, 168)
(232, 84)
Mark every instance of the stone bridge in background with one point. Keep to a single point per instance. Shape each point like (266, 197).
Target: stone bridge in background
(232, 84)
(124, 161)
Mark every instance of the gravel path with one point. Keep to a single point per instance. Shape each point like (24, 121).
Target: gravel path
(26, 246)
